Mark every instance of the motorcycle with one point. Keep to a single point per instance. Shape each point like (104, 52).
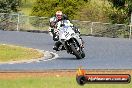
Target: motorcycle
(71, 41)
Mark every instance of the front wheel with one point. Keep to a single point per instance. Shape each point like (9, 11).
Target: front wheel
(77, 53)
(82, 54)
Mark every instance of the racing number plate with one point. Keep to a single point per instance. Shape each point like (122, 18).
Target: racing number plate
(66, 34)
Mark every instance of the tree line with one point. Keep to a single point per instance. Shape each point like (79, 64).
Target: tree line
(114, 11)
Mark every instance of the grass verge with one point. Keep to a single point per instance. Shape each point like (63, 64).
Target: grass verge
(54, 82)
(53, 79)
(16, 53)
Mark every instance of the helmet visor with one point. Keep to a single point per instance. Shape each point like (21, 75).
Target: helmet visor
(59, 16)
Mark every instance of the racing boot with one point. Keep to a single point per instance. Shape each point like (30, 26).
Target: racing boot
(57, 45)
(62, 47)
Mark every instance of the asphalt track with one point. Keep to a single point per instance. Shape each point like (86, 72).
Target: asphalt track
(101, 53)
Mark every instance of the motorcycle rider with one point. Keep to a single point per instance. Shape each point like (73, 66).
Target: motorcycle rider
(60, 17)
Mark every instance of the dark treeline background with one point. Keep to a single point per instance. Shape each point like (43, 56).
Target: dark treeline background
(114, 11)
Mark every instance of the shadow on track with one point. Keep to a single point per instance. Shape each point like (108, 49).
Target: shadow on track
(68, 58)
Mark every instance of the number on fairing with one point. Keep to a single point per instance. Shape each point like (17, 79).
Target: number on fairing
(65, 32)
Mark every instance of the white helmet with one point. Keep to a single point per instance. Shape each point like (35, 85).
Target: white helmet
(59, 15)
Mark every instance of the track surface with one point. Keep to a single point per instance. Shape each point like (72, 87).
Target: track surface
(101, 53)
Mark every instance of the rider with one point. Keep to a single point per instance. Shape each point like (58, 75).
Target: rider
(60, 17)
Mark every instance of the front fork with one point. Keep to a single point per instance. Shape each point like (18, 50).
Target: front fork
(66, 45)
(80, 41)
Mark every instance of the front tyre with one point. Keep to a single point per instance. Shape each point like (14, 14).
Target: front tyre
(82, 54)
(76, 53)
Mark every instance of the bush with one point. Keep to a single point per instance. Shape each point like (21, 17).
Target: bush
(91, 10)
(49, 7)
(94, 10)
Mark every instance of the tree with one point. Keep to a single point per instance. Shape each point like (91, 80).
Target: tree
(121, 11)
(7, 6)
(49, 7)
(129, 6)
(118, 3)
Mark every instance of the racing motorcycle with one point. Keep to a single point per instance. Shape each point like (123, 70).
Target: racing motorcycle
(70, 40)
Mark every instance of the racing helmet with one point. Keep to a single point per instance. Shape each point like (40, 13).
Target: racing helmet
(59, 15)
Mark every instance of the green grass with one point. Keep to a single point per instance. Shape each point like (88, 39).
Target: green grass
(15, 53)
(53, 82)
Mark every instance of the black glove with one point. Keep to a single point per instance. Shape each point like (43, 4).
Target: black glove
(62, 25)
